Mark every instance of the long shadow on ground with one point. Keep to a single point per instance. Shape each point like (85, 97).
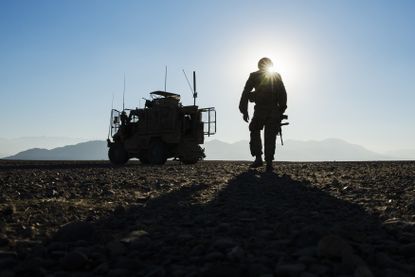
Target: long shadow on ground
(255, 224)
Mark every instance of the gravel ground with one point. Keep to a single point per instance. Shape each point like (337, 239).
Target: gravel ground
(215, 218)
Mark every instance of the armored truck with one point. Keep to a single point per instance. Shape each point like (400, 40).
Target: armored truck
(162, 129)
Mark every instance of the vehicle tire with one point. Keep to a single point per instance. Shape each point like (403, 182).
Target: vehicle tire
(117, 154)
(157, 153)
(192, 154)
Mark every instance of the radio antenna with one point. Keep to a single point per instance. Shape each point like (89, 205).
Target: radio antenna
(112, 107)
(123, 94)
(165, 79)
(194, 88)
(190, 86)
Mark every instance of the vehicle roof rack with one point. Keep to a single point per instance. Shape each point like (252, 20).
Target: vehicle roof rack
(166, 94)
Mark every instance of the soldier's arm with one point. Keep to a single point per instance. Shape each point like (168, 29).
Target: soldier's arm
(243, 103)
(282, 96)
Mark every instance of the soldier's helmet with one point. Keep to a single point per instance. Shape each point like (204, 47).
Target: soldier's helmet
(265, 63)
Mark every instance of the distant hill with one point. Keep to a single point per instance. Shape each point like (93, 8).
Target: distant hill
(219, 150)
(293, 150)
(11, 146)
(403, 154)
(327, 150)
(90, 150)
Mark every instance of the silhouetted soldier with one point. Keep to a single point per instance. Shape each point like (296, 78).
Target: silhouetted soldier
(270, 100)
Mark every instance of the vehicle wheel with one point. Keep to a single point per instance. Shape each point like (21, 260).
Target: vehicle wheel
(117, 154)
(157, 153)
(192, 154)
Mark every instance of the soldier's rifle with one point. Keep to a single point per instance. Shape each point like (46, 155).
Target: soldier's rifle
(284, 116)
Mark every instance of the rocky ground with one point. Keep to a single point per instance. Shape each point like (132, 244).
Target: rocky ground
(209, 219)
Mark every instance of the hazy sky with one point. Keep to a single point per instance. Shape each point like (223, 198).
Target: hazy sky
(348, 66)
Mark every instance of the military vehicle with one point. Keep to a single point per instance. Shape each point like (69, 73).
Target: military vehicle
(163, 129)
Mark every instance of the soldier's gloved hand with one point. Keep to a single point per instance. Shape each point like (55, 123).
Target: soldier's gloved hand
(246, 117)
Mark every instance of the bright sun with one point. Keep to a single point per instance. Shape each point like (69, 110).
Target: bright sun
(270, 69)
(289, 60)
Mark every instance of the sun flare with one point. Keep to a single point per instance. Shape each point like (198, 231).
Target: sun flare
(270, 69)
(289, 60)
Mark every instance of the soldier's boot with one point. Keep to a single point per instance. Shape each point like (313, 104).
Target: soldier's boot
(257, 163)
(269, 167)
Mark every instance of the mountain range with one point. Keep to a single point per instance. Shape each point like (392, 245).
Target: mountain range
(11, 146)
(293, 150)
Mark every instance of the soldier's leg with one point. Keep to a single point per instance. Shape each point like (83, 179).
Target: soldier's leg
(255, 143)
(270, 134)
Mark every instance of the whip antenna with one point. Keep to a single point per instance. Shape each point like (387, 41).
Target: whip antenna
(123, 94)
(165, 79)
